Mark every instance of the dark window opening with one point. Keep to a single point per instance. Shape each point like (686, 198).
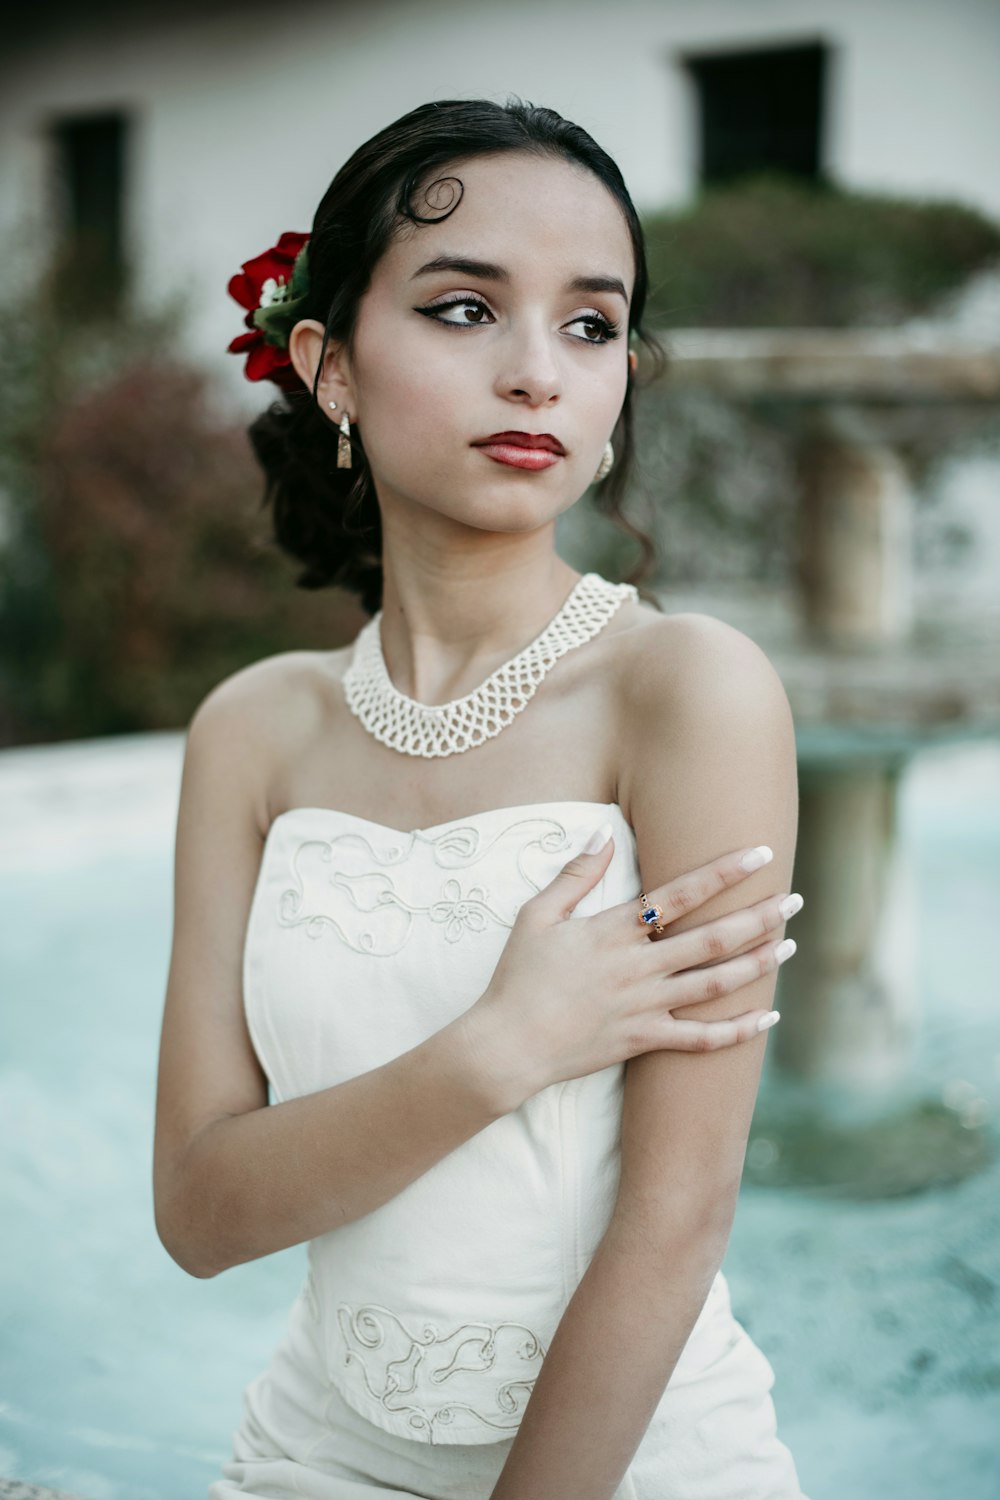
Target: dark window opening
(761, 111)
(89, 161)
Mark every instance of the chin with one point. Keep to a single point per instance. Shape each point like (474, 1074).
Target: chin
(508, 512)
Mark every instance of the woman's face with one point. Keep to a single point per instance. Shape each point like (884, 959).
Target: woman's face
(517, 340)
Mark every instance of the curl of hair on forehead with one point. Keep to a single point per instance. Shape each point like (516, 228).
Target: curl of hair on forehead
(451, 191)
(328, 518)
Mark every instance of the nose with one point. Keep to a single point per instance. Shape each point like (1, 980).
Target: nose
(530, 370)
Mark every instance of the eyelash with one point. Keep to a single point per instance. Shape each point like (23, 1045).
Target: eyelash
(610, 329)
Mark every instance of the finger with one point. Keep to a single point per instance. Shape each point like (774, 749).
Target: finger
(712, 1036)
(692, 986)
(692, 889)
(556, 901)
(722, 937)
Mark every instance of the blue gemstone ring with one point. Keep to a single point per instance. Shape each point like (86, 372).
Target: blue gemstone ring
(649, 915)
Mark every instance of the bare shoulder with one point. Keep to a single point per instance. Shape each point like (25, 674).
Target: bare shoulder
(678, 658)
(285, 682)
(255, 716)
(689, 681)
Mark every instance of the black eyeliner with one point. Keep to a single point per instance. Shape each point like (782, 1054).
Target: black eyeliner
(611, 330)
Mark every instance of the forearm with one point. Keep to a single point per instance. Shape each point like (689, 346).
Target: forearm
(255, 1183)
(606, 1370)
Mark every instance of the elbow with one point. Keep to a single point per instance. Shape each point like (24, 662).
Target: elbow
(198, 1271)
(192, 1224)
(183, 1233)
(184, 1252)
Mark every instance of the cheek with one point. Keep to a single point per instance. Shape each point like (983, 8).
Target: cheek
(412, 401)
(604, 393)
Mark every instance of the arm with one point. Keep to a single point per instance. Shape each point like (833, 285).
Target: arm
(235, 1179)
(260, 1181)
(712, 766)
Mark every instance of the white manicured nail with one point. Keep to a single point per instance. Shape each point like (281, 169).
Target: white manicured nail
(598, 839)
(771, 1019)
(785, 949)
(757, 857)
(790, 905)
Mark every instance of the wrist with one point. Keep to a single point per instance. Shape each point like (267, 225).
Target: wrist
(492, 1060)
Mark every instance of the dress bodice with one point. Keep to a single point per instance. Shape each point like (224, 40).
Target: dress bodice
(411, 924)
(433, 1312)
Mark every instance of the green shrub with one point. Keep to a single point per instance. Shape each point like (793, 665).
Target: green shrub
(769, 251)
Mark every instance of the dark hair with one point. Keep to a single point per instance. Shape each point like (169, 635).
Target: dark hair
(328, 518)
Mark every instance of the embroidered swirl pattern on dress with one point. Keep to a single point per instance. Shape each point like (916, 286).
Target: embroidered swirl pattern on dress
(401, 1369)
(372, 894)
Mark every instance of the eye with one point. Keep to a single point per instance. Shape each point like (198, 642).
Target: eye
(602, 326)
(436, 309)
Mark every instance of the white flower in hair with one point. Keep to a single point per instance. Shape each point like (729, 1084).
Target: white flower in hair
(274, 291)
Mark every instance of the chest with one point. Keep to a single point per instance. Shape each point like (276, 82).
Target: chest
(567, 744)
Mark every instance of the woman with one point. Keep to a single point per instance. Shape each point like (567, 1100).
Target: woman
(512, 1141)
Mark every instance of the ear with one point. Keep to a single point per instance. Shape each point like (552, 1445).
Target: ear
(633, 360)
(304, 344)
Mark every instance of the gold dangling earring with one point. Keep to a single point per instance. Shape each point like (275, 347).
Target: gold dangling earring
(344, 443)
(607, 460)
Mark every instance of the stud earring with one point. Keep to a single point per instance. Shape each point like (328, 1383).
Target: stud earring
(344, 443)
(604, 467)
(334, 405)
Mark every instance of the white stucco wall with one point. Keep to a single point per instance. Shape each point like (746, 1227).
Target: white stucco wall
(243, 114)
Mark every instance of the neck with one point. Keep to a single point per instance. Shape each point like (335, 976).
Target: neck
(449, 620)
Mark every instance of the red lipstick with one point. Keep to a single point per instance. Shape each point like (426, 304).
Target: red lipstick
(522, 450)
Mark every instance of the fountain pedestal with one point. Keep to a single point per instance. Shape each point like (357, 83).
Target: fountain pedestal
(852, 1024)
(855, 533)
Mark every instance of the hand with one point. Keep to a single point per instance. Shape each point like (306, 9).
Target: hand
(568, 998)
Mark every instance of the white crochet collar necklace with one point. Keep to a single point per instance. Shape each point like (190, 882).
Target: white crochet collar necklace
(428, 729)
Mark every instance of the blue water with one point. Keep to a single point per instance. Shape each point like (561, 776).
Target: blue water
(121, 1377)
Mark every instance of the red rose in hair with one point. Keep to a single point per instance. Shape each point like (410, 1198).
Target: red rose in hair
(272, 286)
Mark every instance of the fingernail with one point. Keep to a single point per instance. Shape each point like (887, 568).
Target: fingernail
(790, 905)
(757, 857)
(598, 839)
(771, 1019)
(785, 949)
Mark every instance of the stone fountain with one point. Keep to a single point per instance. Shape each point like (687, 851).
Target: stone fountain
(869, 687)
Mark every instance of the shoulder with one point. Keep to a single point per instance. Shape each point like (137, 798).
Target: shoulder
(263, 693)
(678, 665)
(253, 719)
(691, 685)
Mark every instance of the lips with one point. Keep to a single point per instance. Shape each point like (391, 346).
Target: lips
(529, 451)
(522, 440)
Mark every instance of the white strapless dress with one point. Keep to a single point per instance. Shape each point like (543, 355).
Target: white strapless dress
(411, 1351)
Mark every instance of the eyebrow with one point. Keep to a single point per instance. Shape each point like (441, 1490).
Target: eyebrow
(485, 270)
